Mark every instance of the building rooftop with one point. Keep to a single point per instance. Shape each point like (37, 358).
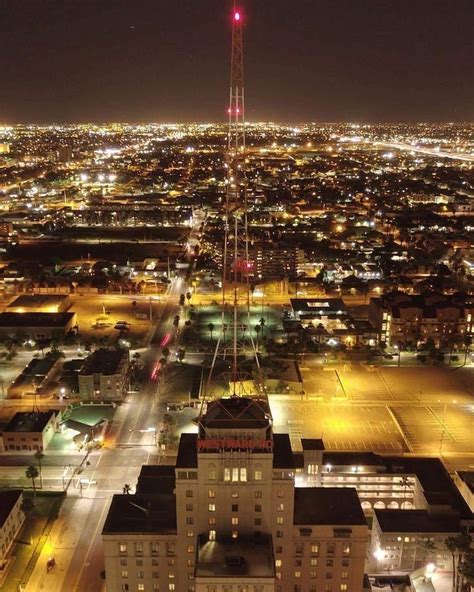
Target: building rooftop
(282, 453)
(416, 521)
(237, 412)
(312, 443)
(328, 506)
(318, 305)
(30, 421)
(187, 452)
(226, 557)
(8, 499)
(156, 480)
(35, 319)
(103, 361)
(39, 366)
(38, 301)
(141, 514)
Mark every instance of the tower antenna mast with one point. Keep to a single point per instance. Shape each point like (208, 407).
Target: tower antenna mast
(237, 268)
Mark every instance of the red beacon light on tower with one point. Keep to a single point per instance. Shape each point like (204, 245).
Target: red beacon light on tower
(237, 16)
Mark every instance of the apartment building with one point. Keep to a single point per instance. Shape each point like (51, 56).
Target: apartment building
(230, 518)
(104, 376)
(11, 521)
(410, 320)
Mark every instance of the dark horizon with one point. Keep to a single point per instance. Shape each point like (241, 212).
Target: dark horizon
(363, 61)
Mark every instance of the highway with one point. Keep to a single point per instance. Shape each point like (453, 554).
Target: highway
(427, 151)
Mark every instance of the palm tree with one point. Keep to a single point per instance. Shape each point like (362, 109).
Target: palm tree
(466, 569)
(39, 457)
(32, 473)
(27, 507)
(258, 328)
(404, 482)
(262, 323)
(211, 328)
(459, 546)
(127, 489)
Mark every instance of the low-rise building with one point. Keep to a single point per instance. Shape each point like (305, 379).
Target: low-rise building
(11, 521)
(31, 431)
(105, 375)
(40, 303)
(409, 320)
(37, 325)
(408, 540)
(34, 379)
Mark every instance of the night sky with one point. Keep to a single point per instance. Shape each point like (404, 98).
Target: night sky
(168, 60)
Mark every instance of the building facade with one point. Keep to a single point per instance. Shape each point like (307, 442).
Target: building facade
(229, 517)
(410, 320)
(31, 431)
(11, 521)
(105, 375)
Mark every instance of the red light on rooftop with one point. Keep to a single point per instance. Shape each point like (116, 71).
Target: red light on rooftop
(237, 16)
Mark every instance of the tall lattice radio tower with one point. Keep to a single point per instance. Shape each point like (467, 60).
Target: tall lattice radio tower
(235, 350)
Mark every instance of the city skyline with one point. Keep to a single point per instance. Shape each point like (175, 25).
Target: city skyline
(313, 62)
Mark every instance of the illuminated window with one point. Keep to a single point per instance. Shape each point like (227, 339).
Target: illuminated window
(258, 475)
(122, 547)
(211, 521)
(235, 534)
(281, 507)
(279, 519)
(226, 473)
(212, 473)
(190, 549)
(211, 494)
(314, 549)
(124, 573)
(235, 494)
(212, 507)
(235, 474)
(235, 521)
(154, 548)
(212, 535)
(243, 474)
(278, 563)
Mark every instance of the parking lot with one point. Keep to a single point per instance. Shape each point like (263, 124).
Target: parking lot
(341, 425)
